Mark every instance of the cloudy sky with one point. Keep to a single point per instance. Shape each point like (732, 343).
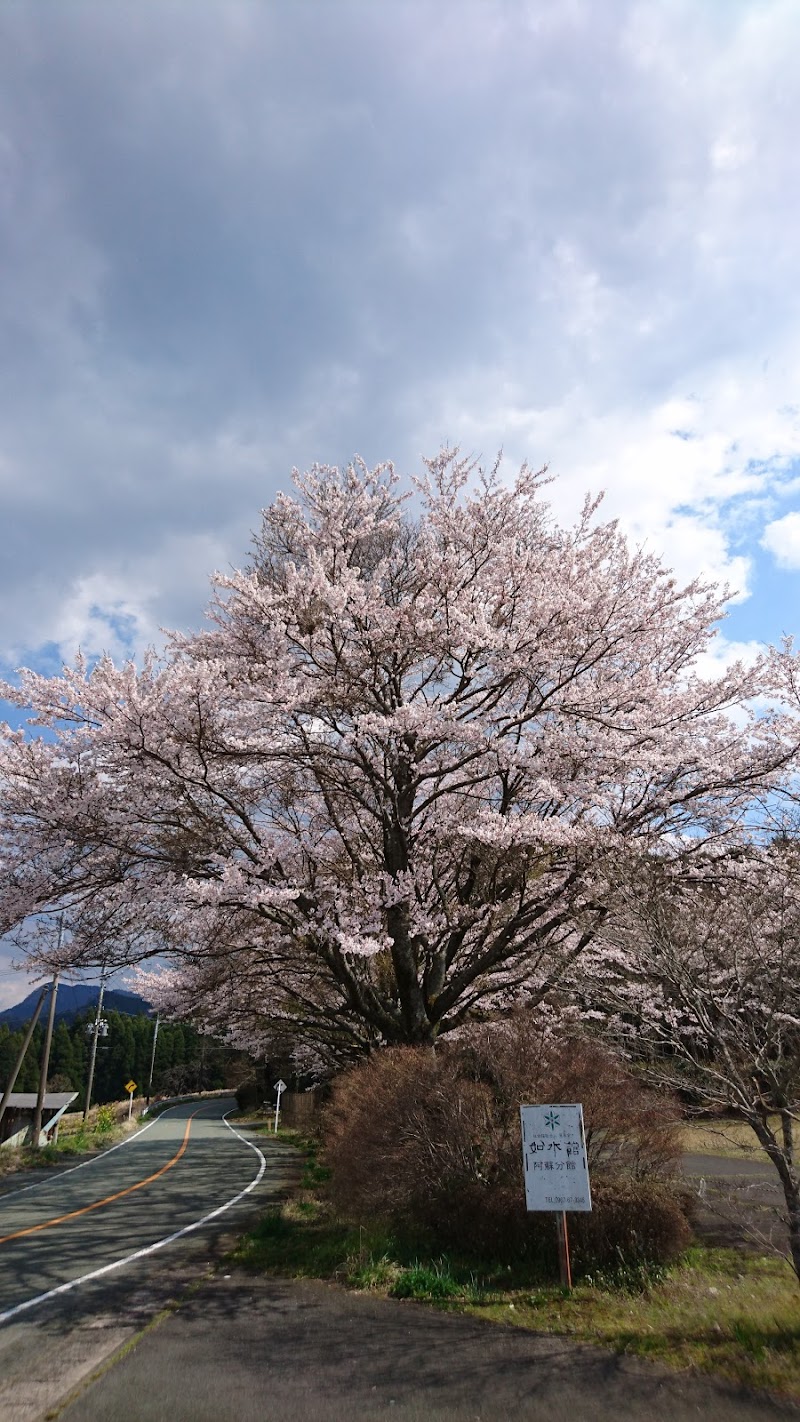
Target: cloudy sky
(244, 235)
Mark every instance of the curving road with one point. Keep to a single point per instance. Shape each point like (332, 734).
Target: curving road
(231, 1347)
(183, 1170)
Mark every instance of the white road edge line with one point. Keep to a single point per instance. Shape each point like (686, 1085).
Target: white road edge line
(150, 1248)
(59, 1174)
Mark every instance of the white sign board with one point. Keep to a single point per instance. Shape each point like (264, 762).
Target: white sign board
(554, 1156)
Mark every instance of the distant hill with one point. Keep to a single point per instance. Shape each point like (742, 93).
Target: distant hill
(72, 1001)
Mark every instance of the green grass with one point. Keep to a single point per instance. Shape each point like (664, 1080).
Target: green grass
(433, 1282)
(295, 1239)
(716, 1310)
(26, 1158)
(303, 1239)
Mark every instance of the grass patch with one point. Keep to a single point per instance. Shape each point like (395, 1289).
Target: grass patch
(296, 1239)
(727, 1137)
(433, 1282)
(717, 1311)
(303, 1239)
(76, 1138)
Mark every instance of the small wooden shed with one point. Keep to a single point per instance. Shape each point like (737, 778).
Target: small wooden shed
(16, 1123)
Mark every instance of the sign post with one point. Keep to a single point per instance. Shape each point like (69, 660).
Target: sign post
(130, 1087)
(556, 1170)
(280, 1087)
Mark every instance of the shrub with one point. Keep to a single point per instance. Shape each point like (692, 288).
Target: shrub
(632, 1223)
(428, 1144)
(400, 1128)
(104, 1120)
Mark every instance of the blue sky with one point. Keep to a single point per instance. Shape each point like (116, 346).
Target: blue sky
(241, 236)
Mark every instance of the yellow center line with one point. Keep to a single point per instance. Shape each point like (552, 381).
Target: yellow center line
(98, 1204)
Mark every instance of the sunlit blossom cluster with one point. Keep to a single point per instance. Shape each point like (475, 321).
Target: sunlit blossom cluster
(390, 788)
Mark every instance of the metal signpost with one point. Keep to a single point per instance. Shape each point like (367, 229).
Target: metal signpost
(48, 1042)
(130, 1087)
(556, 1170)
(280, 1087)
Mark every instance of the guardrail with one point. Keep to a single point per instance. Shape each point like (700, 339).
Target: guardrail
(164, 1102)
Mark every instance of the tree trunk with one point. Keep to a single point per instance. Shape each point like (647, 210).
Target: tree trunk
(782, 1158)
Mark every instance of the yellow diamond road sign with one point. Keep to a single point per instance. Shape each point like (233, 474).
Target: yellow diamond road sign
(130, 1086)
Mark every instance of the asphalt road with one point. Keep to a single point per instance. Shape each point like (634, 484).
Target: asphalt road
(90, 1254)
(739, 1202)
(181, 1168)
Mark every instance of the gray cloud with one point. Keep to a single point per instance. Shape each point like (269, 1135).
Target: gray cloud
(240, 237)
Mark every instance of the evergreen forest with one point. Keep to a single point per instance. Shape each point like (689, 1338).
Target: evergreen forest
(185, 1059)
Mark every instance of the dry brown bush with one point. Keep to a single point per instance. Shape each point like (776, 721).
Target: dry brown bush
(429, 1142)
(631, 1221)
(630, 1131)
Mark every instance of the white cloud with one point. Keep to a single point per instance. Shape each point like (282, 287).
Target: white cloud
(782, 539)
(722, 653)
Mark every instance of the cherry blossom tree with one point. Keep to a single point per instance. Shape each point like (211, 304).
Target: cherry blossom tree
(698, 976)
(386, 789)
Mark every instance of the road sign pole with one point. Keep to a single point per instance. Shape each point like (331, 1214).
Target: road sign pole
(280, 1087)
(45, 1067)
(130, 1087)
(564, 1266)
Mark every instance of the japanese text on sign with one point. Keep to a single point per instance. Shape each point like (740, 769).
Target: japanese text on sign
(554, 1157)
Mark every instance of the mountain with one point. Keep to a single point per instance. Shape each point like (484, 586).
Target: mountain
(72, 1001)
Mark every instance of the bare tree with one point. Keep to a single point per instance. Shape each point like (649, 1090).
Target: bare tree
(698, 975)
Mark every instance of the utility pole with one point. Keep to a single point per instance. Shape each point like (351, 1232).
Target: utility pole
(51, 1017)
(95, 1035)
(12, 1080)
(152, 1060)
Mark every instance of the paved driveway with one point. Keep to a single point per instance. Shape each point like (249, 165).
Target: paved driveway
(249, 1349)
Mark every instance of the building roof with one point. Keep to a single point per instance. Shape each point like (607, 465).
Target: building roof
(26, 1100)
